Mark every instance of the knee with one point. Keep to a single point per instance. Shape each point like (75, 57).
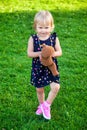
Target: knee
(40, 90)
(55, 88)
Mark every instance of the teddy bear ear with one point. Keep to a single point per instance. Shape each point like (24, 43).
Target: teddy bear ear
(43, 45)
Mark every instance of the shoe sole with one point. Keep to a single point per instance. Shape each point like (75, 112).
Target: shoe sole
(44, 114)
(39, 114)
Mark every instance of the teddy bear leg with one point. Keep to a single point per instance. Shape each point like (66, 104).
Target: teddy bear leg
(53, 69)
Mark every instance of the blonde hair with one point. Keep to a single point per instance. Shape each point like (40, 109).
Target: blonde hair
(43, 17)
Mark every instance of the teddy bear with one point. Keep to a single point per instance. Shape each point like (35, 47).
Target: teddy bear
(47, 60)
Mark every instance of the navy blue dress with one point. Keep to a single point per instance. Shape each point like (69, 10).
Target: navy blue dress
(41, 76)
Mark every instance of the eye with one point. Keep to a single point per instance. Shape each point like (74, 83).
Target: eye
(40, 27)
(46, 27)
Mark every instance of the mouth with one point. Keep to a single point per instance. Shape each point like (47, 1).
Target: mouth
(43, 33)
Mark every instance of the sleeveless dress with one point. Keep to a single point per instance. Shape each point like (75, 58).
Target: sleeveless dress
(41, 76)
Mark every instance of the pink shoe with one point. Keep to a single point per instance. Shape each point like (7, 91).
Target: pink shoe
(39, 111)
(45, 107)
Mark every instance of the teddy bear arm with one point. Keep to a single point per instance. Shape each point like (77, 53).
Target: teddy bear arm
(43, 61)
(47, 62)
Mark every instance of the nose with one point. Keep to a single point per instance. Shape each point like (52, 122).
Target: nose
(43, 30)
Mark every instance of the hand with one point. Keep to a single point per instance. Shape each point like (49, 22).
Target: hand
(53, 55)
(40, 57)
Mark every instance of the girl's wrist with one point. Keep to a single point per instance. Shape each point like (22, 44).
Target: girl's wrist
(39, 55)
(53, 54)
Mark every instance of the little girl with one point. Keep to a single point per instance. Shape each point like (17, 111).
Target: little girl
(41, 76)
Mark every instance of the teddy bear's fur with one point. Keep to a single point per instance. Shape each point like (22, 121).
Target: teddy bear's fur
(46, 58)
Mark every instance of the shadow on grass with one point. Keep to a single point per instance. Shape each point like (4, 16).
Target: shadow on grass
(16, 96)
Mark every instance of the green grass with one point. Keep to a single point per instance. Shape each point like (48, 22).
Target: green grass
(17, 96)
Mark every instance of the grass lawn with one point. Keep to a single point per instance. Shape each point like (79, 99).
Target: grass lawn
(18, 100)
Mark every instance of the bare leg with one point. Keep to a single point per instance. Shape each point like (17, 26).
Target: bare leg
(40, 94)
(53, 92)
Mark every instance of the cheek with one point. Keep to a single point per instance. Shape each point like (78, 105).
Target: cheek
(49, 30)
(38, 30)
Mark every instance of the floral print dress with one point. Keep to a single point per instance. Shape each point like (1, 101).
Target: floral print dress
(41, 76)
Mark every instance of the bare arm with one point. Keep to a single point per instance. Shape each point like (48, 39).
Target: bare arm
(30, 49)
(58, 50)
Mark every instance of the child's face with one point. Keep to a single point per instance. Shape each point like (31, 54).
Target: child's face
(43, 30)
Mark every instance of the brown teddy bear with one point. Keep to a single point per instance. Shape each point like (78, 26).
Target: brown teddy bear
(46, 58)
